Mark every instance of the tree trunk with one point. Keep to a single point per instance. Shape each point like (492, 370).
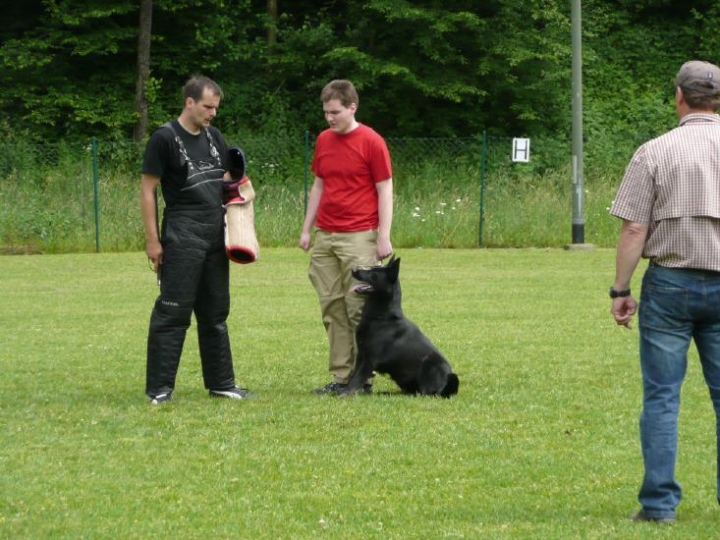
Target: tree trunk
(272, 10)
(143, 69)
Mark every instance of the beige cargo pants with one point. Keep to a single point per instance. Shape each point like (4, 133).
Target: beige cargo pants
(334, 255)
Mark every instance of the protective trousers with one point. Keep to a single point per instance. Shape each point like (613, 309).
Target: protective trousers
(333, 257)
(195, 277)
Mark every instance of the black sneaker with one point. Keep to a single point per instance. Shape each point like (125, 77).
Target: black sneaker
(161, 398)
(640, 516)
(231, 393)
(334, 388)
(366, 388)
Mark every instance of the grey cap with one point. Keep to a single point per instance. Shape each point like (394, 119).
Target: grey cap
(699, 76)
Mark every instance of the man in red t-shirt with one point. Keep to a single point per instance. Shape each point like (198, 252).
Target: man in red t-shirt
(351, 208)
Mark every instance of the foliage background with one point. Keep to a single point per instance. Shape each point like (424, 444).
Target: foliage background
(424, 68)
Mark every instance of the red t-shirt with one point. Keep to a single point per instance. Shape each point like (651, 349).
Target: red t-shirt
(350, 165)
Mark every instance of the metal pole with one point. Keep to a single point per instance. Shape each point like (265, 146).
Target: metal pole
(483, 164)
(96, 193)
(578, 221)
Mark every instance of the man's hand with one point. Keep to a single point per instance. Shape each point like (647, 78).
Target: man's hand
(231, 190)
(623, 309)
(154, 252)
(305, 241)
(384, 248)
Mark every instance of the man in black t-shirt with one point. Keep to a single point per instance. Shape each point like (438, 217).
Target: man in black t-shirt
(187, 158)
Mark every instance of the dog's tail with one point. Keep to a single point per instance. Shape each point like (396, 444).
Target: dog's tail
(451, 386)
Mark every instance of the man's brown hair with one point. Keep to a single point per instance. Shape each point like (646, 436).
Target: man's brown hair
(342, 90)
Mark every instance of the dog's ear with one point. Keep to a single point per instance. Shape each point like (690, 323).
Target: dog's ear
(394, 268)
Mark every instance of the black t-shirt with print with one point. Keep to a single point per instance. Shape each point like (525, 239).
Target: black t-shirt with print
(191, 173)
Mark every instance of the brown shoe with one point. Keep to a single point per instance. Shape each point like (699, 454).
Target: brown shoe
(640, 516)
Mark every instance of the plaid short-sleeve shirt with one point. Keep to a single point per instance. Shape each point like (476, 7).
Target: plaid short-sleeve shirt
(673, 184)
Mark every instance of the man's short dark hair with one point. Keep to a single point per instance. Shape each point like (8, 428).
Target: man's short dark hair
(700, 100)
(197, 84)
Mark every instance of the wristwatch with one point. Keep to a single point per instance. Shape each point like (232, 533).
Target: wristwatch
(618, 294)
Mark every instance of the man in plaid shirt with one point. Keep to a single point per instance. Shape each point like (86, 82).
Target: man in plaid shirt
(669, 203)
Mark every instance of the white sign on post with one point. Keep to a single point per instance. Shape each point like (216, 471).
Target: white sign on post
(521, 150)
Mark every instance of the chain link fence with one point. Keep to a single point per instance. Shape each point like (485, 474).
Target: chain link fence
(84, 197)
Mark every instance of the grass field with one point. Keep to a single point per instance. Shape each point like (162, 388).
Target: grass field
(540, 443)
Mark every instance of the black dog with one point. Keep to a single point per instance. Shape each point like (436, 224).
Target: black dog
(391, 344)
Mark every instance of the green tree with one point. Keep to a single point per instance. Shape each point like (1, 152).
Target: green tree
(71, 69)
(80, 68)
(429, 67)
(412, 62)
(64, 75)
(632, 53)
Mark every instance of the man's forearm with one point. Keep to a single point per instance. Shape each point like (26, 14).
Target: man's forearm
(148, 209)
(313, 204)
(631, 243)
(385, 207)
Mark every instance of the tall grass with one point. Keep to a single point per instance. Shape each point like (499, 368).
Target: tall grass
(440, 198)
(541, 442)
(515, 214)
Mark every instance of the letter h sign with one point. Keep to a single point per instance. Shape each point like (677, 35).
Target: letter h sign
(521, 150)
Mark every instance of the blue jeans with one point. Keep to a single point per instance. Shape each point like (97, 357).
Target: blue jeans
(676, 306)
